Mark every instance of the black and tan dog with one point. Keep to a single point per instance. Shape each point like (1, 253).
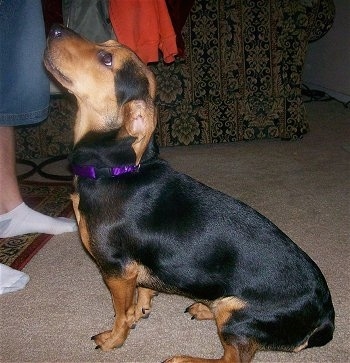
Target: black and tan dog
(150, 228)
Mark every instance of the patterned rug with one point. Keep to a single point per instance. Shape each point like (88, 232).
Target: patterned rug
(48, 198)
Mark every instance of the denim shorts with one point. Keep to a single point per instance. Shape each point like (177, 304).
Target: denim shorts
(24, 84)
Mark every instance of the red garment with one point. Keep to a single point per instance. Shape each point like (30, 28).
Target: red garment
(145, 27)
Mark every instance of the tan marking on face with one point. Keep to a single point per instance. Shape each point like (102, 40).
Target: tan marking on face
(77, 64)
(139, 121)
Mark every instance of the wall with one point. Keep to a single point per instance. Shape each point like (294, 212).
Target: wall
(327, 66)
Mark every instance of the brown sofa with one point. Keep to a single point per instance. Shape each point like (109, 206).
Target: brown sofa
(240, 78)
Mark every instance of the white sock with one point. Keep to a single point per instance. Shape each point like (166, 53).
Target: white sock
(11, 280)
(23, 220)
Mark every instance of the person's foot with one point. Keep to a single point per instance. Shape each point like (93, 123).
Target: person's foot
(23, 220)
(11, 280)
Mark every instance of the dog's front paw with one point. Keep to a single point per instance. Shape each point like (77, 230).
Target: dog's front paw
(107, 341)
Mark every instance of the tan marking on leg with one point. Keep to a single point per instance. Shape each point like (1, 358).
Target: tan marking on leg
(75, 198)
(222, 310)
(231, 355)
(247, 351)
(188, 359)
(84, 234)
(200, 311)
(123, 293)
(301, 347)
(82, 225)
(305, 344)
(144, 303)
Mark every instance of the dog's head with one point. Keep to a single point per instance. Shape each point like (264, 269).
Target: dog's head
(114, 89)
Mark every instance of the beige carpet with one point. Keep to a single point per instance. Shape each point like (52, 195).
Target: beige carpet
(302, 186)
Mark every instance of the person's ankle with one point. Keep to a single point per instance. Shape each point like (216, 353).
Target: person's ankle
(8, 206)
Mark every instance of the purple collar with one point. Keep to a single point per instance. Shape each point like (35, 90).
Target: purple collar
(88, 171)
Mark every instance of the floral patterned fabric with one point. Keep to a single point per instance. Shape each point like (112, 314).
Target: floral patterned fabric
(240, 78)
(51, 137)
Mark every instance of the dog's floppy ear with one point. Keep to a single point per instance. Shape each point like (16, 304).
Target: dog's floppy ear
(139, 121)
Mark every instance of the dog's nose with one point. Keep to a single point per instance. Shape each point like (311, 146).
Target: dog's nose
(59, 31)
(56, 31)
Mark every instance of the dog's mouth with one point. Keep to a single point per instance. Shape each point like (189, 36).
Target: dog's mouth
(54, 70)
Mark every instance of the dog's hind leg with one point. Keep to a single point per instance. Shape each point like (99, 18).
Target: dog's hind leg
(200, 311)
(234, 352)
(144, 303)
(123, 293)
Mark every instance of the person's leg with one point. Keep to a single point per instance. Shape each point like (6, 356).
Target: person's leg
(24, 85)
(10, 196)
(24, 100)
(16, 218)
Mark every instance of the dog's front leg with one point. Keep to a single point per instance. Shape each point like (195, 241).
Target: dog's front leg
(123, 292)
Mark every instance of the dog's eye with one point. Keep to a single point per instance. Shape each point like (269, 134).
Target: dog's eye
(105, 58)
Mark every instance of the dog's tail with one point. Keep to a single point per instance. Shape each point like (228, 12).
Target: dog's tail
(322, 335)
